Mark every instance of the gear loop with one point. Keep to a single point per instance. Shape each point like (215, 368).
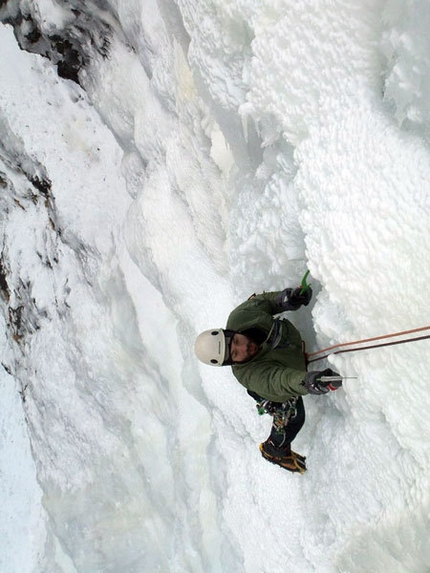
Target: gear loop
(280, 412)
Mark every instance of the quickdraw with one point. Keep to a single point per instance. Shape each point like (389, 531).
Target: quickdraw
(281, 413)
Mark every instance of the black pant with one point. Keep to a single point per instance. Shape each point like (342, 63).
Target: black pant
(283, 439)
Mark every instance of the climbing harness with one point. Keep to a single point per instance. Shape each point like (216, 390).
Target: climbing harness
(281, 413)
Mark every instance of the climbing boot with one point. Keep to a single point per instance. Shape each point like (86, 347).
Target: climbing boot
(299, 456)
(287, 459)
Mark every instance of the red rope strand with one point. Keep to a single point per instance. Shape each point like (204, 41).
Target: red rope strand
(339, 348)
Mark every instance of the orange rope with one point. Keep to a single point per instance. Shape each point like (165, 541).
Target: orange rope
(341, 345)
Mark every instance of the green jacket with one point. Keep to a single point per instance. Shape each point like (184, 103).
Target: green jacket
(273, 373)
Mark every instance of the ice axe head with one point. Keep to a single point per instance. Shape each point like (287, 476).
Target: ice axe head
(304, 285)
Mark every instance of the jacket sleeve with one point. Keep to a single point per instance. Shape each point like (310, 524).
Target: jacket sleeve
(265, 302)
(273, 382)
(257, 311)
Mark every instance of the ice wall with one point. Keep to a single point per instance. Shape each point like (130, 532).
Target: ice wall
(213, 150)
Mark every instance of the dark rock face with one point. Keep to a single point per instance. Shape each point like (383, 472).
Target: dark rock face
(87, 29)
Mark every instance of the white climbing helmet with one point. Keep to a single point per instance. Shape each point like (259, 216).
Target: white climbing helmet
(212, 347)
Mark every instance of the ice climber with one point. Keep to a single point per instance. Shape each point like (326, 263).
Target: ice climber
(267, 357)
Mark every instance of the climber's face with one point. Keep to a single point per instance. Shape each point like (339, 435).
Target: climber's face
(242, 348)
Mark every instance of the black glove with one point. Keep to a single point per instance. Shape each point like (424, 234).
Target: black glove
(290, 299)
(315, 386)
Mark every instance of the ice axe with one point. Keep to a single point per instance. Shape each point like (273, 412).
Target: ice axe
(336, 378)
(334, 382)
(303, 284)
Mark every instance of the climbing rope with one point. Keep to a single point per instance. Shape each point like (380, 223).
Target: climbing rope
(341, 347)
